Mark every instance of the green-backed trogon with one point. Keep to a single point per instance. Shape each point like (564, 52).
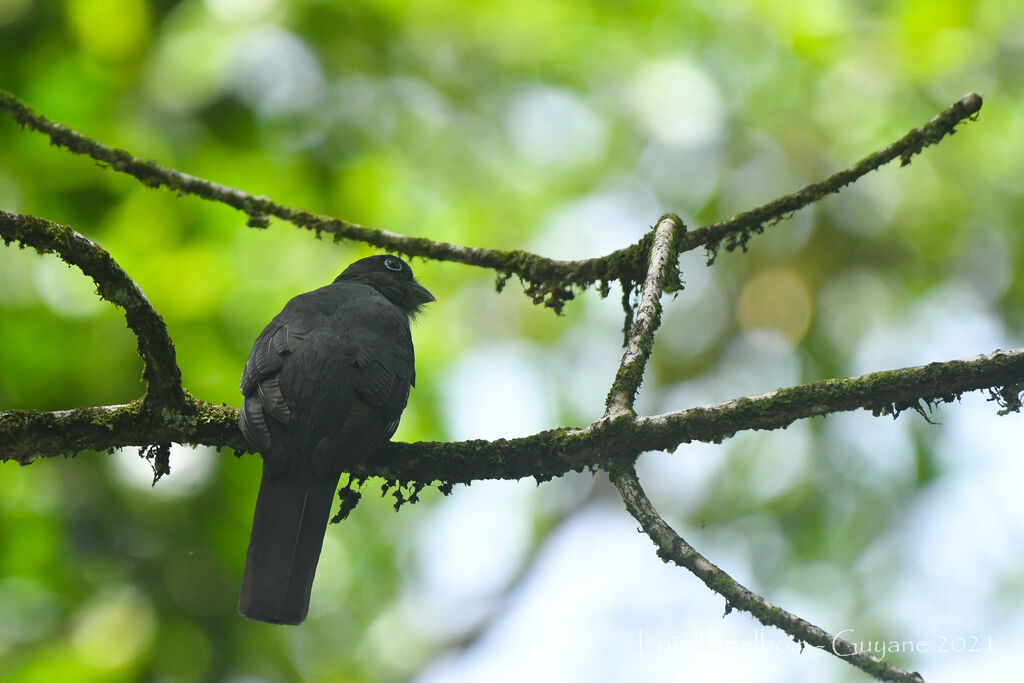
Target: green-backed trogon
(325, 385)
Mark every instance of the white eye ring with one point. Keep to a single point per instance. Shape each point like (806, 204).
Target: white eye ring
(393, 264)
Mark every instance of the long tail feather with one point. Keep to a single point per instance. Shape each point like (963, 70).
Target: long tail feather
(288, 530)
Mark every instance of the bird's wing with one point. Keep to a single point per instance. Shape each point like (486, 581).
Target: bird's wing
(260, 383)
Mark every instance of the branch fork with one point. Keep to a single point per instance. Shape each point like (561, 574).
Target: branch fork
(167, 413)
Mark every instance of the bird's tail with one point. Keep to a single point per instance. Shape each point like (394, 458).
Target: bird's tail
(288, 530)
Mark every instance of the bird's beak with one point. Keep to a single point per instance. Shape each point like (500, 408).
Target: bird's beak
(420, 294)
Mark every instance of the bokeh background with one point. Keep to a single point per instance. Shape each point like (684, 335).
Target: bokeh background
(565, 128)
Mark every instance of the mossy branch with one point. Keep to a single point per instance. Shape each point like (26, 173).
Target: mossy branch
(25, 435)
(663, 264)
(160, 367)
(548, 281)
(737, 231)
(28, 434)
(673, 548)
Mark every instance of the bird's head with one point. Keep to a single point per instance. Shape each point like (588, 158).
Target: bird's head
(392, 277)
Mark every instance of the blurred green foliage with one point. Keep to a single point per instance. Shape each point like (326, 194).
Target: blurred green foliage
(562, 127)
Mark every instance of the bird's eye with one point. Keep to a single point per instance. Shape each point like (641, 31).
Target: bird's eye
(393, 264)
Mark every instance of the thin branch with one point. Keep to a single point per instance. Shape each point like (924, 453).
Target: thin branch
(160, 367)
(28, 434)
(647, 319)
(673, 548)
(546, 280)
(883, 393)
(738, 230)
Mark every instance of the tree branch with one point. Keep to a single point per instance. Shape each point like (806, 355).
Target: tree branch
(648, 318)
(168, 413)
(673, 548)
(883, 393)
(545, 280)
(28, 434)
(160, 367)
(738, 230)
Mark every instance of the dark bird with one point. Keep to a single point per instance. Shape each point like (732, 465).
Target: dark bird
(325, 385)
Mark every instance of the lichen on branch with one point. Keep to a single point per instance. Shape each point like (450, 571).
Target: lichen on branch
(663, 266)
(546, 281)
(160, 367)
(673, 548)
